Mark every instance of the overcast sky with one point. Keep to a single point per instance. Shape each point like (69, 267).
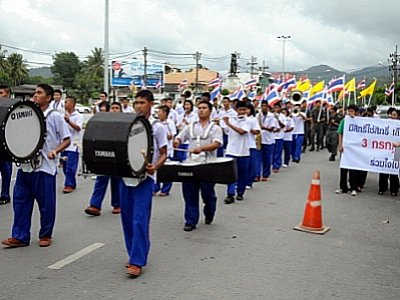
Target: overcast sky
(346, 35)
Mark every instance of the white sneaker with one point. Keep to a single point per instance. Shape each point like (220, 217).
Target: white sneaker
(354, 193)
(248, 187)
(284, 166)
(340, 192)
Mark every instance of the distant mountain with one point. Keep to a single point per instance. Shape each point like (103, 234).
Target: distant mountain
(45, 72)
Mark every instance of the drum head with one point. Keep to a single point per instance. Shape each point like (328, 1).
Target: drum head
(24, 132)
(139, 146)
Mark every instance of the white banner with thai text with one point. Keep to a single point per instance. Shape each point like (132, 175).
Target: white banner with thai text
(367, 144)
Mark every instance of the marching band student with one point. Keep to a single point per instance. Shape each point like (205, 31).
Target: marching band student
(74, 120)
(351, 111)
(393, 178)
(287, 138)
(163, 112)
(331, 134)
(299, 119)
(39, 183)
(136, 197)
(101, 183)
(5, 166)
(205, 137)
(279, 134)
(255, 154)
(126, 108)
(58, 103)
(186, 118)
(269, 124)
(226, 110)
(239, 127)
(173, 114)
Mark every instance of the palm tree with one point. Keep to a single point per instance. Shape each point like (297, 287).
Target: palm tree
(18, 68)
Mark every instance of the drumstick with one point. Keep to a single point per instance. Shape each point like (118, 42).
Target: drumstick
(183, 150)
(64, 158)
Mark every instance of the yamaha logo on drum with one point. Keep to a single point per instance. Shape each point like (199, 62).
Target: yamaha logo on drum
(103, 153)
(21, 114)
(185, 174)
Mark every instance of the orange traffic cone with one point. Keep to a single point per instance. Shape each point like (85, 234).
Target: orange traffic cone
(312, 221)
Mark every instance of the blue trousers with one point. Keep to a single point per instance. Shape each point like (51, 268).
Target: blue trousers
(287, 151)
(164, 187)
(28, 187)
(190, 191)
(242, 163)
(266, 154)
(5, 170)
(254, 165)
(135, 219)
(100, 188)
(70, 167)
(277, 158)
(297, 145)
(221, 149)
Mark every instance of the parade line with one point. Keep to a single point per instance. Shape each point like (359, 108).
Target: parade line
(73, 257)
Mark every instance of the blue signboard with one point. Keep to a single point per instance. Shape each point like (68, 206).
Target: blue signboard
(131, 73)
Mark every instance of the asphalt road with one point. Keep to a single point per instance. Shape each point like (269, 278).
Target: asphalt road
(250, 251)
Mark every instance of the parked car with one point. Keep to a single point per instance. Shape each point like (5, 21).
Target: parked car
(83, 109)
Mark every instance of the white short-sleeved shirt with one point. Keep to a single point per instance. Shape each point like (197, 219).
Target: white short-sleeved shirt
(58, 105)
(75, 136)
(170, 129)
(281, 133)
(269, 121)
(238, 143)
(194, 133)
(225, 113)
(57, 131)
(299, 123)
(173, 116)
(254, 126)
(192, 117)
(128, 109)
(289, 124)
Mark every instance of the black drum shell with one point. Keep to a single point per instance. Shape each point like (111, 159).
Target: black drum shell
(7, 105)
(223, 172)
(110, 132)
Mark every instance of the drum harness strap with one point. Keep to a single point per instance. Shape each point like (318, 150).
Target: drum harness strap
(37, 160)
(205, 135)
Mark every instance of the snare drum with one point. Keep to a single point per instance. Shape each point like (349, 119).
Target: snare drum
(219, 170)
(117, 144)
(23, 130)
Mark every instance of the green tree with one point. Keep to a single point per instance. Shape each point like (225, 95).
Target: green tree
(66, 66)
(18, 68)
(4, 70)
(39, 79)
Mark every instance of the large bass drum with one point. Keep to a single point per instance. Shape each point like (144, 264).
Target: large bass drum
(23, 130)
(117, 144)
(219, 170)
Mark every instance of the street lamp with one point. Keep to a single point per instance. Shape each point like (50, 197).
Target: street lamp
(283, 38)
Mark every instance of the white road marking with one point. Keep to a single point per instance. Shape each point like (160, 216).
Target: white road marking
(77, 255)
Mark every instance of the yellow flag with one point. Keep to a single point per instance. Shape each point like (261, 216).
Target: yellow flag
(351, 85)
(369, 90)
(342, 94)
(303, 85)
(318, 87)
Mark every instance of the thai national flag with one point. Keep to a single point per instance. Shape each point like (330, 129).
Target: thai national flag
(215, 82)
(389, 90)
(238, 94)
(317, 97)
(252, 95)
(183, 84)
(250, 83)
(273, 97)
(289, 84)
(215, 93)
(361, 85)
(336, 85)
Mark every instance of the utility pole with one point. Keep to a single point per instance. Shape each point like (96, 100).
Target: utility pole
(394, 68)
(252, 63)
(106, 26)
(145, 51)
(197, 57)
